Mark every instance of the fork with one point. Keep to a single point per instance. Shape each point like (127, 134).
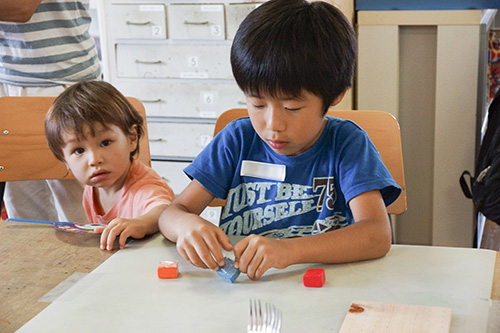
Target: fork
(267, 320)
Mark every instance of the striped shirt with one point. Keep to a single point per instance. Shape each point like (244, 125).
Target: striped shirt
(54, 47)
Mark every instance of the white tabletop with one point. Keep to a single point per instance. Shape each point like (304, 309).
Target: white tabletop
(124, 294)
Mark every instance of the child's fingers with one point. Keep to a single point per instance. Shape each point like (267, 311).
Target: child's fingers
(224, 241)
(104, 238)
(210, 253)
(191, 255)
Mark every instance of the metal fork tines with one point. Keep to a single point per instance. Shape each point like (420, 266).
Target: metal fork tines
(264, 320)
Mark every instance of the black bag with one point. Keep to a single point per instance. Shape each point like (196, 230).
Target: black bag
(484, 187)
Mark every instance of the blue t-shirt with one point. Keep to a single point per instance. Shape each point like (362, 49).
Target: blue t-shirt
(317, 186)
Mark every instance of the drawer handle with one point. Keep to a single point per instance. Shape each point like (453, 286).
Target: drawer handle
(139, 23)
(137, 61)
(242, 103)
(157, 140)
(195, 23)
(151, 100)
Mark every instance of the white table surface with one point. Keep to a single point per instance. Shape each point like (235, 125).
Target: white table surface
(124, 294)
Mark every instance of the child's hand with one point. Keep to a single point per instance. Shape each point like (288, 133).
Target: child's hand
(255, 254)
(124, 228)
(200, 241)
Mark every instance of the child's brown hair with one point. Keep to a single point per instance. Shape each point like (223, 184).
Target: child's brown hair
(84, 104)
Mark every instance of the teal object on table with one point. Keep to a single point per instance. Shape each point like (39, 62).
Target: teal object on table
(228, 272)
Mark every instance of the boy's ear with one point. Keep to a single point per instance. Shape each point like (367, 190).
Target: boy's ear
(338, 99)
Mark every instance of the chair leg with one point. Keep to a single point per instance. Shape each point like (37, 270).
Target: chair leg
(392, 230)
(2, 190)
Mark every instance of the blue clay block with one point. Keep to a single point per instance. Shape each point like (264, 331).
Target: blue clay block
(228, 272)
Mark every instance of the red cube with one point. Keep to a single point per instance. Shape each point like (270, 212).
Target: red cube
(167, 269)
(314, 277)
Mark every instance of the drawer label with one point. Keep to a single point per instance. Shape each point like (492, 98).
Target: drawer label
(216, 30)
(211, 8)
(151, 8)
(194, 75)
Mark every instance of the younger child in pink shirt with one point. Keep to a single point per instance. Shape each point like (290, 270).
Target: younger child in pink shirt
(93, 128)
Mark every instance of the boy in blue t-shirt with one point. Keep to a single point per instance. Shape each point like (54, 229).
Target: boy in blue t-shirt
(303, 187)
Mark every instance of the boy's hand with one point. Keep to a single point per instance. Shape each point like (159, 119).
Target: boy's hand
(200, 241)
(124, 228)
(255, 254)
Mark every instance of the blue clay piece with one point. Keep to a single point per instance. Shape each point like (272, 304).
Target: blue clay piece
(228, 272)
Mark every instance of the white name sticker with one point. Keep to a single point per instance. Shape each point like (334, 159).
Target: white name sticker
(263, 170)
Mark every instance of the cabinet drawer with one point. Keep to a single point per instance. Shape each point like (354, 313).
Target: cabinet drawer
(178, 139)
(173, 61)
(172, 173)
(235, 13)
(196, 99)
(192, 21)
(139, 21)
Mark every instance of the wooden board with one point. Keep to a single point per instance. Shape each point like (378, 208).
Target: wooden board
(364, 316)
(495, 288)
(34, 259)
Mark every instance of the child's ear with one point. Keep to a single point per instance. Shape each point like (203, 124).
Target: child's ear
(338, 99)
(134, 139)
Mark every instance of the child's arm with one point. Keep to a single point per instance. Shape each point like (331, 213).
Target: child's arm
(368, 238)
(198, 240)
(138, 228)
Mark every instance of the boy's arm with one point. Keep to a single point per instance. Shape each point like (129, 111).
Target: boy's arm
(18, 11)
(368, 238)
(138, 228)
(198, 240)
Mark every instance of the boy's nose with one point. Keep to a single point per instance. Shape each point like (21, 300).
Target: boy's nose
(275, 120)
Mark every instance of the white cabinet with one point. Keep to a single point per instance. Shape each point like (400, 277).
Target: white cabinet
(174, 57)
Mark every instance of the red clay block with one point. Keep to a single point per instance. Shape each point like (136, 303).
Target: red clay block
(314, 277)
(167, 269)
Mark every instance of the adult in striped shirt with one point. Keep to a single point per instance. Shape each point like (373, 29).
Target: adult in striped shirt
(45, 46)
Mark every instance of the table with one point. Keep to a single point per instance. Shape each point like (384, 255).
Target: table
(125, 295)
(35, 259)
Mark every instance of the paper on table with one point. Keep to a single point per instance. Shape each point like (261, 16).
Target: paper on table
(366, 316)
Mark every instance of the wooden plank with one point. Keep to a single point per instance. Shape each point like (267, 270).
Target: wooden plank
(34, 259)
(419, 17)
(495, 288)
(366, 316)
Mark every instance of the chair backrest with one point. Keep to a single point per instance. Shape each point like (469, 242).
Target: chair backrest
(382, 129)
(24, 152)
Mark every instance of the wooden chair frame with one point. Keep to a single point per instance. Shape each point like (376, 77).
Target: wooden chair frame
(382, 129)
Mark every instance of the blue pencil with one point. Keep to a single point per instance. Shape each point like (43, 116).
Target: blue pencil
(39, 221)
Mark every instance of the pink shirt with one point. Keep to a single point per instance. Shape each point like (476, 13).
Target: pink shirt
(143, 190)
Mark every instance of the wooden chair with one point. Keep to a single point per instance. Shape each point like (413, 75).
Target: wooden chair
(24, 152)
(381, 127)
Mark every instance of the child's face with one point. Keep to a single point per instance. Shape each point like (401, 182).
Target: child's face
(102, 160)
(289, 125)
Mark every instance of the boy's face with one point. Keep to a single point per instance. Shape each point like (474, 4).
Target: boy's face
(102, 160)
(289, 125)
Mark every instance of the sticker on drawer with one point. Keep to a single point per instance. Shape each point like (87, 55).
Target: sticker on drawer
(211, 8)
(194, 75)
(151, 8)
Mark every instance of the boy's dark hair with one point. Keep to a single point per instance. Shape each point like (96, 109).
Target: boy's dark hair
(82, 105)
(284, 46)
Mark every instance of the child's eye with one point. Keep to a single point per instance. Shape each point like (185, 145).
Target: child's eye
(292, 109)
(258, 106)
(78, 151)
(106, 143)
